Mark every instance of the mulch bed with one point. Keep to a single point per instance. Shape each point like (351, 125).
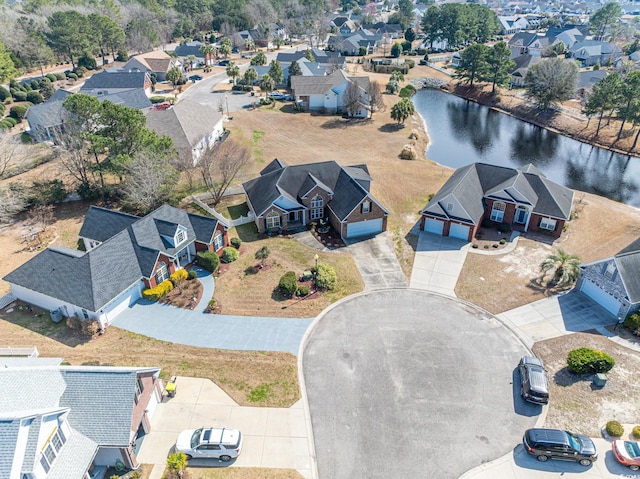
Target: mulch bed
(186, 295)
(330, 239)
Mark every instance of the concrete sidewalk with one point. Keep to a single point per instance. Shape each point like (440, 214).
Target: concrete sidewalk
(437, 263)
(273, 437)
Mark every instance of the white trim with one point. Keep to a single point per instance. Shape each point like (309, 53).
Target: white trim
(371, 198)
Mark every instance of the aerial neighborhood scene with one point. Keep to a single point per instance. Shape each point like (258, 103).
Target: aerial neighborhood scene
(319, 239)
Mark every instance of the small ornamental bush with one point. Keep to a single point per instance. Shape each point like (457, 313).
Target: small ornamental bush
(407, 91)
(59, 76)
(208, 260)
(614, 429)
(11, 121)
(635, 432)
(74, 322)
(19, 95)
(229, 255)
(72, 76)
(52, 77)
(288, 283)
(236, 242)
(632, 321)
(303, 290)
(4, 93)
(326, 277)
(179, 276)
(35, 85)
(192, 274)
(18, 111)
(80, 71)
(90, 327)
(35, 97)
(408, 153)
(589, 361)
(154, 294)
(503, 241)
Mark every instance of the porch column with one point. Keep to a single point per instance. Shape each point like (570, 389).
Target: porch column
(526, 225)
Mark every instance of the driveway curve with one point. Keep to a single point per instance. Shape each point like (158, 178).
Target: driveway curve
(406, 383)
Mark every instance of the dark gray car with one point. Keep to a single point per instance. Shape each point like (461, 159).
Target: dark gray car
(533, 376)
(547, 444)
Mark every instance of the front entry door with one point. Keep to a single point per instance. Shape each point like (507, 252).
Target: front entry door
(521, 216)
(293, 216)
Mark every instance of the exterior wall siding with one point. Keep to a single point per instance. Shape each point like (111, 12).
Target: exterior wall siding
(615, 287)
(534, 225)
(149, 384)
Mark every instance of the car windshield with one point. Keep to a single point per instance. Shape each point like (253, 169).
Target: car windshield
(195, 439)
(633, 448)
(574, 442)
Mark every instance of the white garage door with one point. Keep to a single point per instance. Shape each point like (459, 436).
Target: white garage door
(601, 297)
(121, 303)
(360, 228)
(459, 231)
(433, 226)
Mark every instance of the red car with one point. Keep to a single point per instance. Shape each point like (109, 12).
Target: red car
(627, 453)
(161, 106)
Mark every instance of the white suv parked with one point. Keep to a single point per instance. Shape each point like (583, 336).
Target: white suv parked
(210, 443)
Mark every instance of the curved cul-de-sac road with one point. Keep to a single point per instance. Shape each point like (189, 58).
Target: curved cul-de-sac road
(406, 383)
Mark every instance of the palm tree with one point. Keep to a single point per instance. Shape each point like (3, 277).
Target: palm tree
(208, 51)
(266, 83)
(233, 71)
(191, 59)
(566, 266)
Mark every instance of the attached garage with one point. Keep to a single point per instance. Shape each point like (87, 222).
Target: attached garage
(459, 231)
(601, 297)
(122, 302)
(433, 226)
(360, 228)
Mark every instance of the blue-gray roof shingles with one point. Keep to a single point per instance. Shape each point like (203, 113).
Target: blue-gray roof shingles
(8, 437)
(118, 80)
(94, 279)
(629, 266)
(470, 184)
(294, 181)
(74, 458)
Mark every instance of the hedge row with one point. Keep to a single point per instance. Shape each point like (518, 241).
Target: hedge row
(154, 294)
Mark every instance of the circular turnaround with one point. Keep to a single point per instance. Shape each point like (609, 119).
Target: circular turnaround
(405, 383)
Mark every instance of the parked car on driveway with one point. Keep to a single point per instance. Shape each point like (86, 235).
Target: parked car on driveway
(161, 106)
(627, 453)
(210, 443)
(195, 78)
(547, 444)
(276, 95)
(224, 63)
(533, 378)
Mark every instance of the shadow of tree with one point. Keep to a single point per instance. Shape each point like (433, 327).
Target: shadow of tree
(342, 123)
(565, 378)
(391, 127)
(251, 270)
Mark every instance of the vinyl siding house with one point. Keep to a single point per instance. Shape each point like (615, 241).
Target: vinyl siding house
(192, 127)
(124, 255)
(291, 197)
(155, 61)
(614, 283)
(524, 199)
(109, 82)
(590, 52)
(46, 119)
(72, 422)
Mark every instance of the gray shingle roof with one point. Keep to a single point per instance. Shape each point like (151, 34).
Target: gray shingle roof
(47, 114)
(190, 48)
(319, 85)
(120, 80)
(75, 457)
(629, 268)
(8, 437)
(132, 98)
(95, 278)
(294, 181)
(470, 184)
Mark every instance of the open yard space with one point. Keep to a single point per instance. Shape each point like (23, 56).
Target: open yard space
(600, 229)
(574, 403)
(241, 473)
(250, 378)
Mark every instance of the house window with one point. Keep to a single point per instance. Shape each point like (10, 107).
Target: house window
(162, 272)
(139, 389)
(52, 449)
(218, 241)
(610, 271)
(366, 207)
(180, 236)
(497, 212)
(273, 220)
(44, 464)
(317, 207)
(547, 224)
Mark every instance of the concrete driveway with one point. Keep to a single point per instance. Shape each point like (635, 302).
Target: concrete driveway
(437, 263)
(558, 315)
(273, 437)
(377, 262)
(405, 383)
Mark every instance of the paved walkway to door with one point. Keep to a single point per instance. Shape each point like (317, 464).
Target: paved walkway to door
(437, 263)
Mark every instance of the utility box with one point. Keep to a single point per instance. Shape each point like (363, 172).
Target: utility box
(599, 380)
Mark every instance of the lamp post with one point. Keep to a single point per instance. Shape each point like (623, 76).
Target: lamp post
(226, 99)
(315, 272)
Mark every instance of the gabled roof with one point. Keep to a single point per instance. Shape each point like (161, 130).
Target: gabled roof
(320, 85)
(589, 78)
(469, 185)
(594, 48)
(186, 123)
(522, 39)
(91, 280)
(523, 62)
(156, 61)
(49, 113)
(629, 267)
(293, 182)
(190, 48)
(119, 80)
(132, 98)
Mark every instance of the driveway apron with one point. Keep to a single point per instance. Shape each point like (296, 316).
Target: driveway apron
(377, 262)
(437, 263)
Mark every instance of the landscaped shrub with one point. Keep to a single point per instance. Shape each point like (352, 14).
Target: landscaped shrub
(632, 321)
(74, 322)
(59, 76)
(2, 109)
(80, 71)
(504, 227)
(154, 294)
(122, 55)
(178, 276)
(4, 93)
(35, 97)
(157, 99)
(587, 360)
(326, 277)
(18, 111)
(72, 76)
(192, 274)
(19, 95)
(407, 91)
(35, 85)
(229, 255)
(90, 327)
(635, 432)
(87, 62)
(288, 283)
(614, 429)
(236, 242)
(208, 260)
(303, 290)
(5, 125)
(26, 138)
(408, 153)
(52, 77)
(503, 241)
(11, 121)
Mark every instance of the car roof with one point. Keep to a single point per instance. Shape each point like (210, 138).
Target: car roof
(556, 436)
(533, 361)
(220, 435)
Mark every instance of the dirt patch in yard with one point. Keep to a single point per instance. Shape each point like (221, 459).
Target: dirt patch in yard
(574, 403)
(242, 473)
(600, 229)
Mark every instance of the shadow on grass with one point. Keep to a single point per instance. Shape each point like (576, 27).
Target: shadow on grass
(565, 378)
(342, 123)
(236, 211)
(391, 127)
(251, 270)
(39, 321)
(247, 232)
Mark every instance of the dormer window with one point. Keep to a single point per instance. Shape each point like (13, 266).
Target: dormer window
(52, 449)
(366, 206)
(181, 235)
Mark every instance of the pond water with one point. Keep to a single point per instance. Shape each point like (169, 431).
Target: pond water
(462, 132)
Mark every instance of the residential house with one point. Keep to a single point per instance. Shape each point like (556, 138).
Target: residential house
(193, 127)
(531, 43)
(320, 56)
(456, 58)
(72, 422)
(327, 93)
(124, 255)
(156, 61)
(193, 48)
(350, 44)
(590, 52)
(512, 24)
(46, 120)
(614, 283)
(522, 65)
(568, 35)
(132, 98)
(586, 81)
(109, 82)
(524, 199)
(290, 197)
(390, 30)
(260, 38)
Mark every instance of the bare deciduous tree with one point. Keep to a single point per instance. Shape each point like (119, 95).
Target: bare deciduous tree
(42, 216)
(12, 202)
(376, 99)
(220, 165)
(184, 164)
(76, 158)
(150, 180)
(352, 101)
